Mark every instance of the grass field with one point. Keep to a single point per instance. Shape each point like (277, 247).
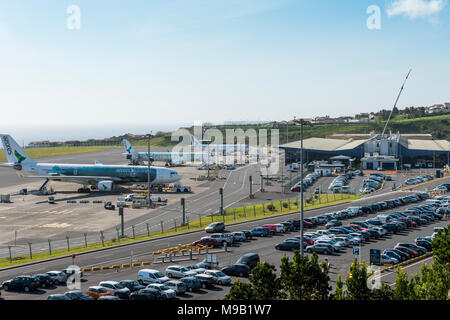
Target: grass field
(57, 151)
(238, 214)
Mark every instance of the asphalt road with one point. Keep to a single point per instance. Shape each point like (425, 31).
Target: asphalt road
(264, 247)
(235, 187)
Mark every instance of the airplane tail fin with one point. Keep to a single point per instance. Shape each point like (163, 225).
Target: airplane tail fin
(195, 142)
(130, 150)
(14, 153)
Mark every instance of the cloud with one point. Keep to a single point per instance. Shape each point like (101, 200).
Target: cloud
(415, 8)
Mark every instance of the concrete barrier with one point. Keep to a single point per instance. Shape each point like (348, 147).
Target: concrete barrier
(95, 268)
(125, 265)
(136, 264)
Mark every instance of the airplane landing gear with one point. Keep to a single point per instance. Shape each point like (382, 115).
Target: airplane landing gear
(84, 190)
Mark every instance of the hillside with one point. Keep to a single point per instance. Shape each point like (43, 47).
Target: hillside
(437, 126)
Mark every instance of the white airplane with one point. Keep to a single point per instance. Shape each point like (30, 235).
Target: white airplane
(98, 176)
(173, 158)
(227, 148)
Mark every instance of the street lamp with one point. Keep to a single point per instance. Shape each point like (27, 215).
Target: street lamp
(148, 173)
(301, 188)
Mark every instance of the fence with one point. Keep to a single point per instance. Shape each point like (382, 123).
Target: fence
(95, 240)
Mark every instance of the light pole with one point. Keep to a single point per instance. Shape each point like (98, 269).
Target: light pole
(301, 188)
(148, 174)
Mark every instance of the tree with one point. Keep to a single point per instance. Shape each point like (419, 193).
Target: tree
(440, 245)
(241, 291)
(304, 278)
(403, 290)
(356, 282)
(265, 283)
(339, 293)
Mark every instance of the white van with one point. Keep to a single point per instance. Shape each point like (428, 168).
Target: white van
(147, 276)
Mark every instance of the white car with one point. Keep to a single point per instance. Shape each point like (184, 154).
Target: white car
(381, 230)
(280, 227)
(166, 292)
(147, 276)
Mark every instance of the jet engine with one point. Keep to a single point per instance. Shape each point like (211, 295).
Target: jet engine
(105, 185)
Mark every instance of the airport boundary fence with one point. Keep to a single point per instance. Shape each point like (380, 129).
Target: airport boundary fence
(74, 243)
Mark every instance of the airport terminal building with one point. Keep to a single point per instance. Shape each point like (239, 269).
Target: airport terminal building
(374, 151)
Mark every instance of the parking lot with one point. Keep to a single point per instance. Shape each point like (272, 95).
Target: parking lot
(263, 246)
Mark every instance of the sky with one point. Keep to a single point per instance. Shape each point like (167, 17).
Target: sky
(176, 62)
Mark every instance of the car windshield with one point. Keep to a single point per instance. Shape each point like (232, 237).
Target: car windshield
(164, 287)
(159, 274)
(119, 286)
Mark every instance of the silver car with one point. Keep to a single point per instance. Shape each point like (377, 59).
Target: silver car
(179, 272)
(222, 278)
(178, 286)
(166, 291)
(238, 236)
(58, 277)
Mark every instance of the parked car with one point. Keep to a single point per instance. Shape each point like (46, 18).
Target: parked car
(58, 296)
(320, 248)
(387, 259)
(22, 283)
(192, 284)
(166, 291)
(333, 223)
(239, 236)
(78, 295)
(148, 276)
(109, 298)
(259, 232)
(44, 280)
(249, 259)
(239, 270)
(58, 277)
(221, 238)
(222, 278)
(288, 245)
(176, 285)
(116, 289)
(215, 227)
(206, 280)
(146, 294)
(206, 241)
(96, 292)
(177, 271)
(132, 285)
(248, 234)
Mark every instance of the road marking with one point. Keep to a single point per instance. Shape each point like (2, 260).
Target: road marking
(6, 208)
(403, 268)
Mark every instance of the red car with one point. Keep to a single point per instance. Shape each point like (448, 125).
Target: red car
(205, 241)
(357, 227)
(411, 252)
(307, 224)
(408, 221)
(271, 228)
(308, 240)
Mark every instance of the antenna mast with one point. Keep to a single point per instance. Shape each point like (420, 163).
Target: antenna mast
(398, 97)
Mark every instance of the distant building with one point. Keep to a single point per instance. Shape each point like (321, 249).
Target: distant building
(389, 151)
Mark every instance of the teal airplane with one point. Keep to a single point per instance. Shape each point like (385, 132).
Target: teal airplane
(172, 158)
(96, 176)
